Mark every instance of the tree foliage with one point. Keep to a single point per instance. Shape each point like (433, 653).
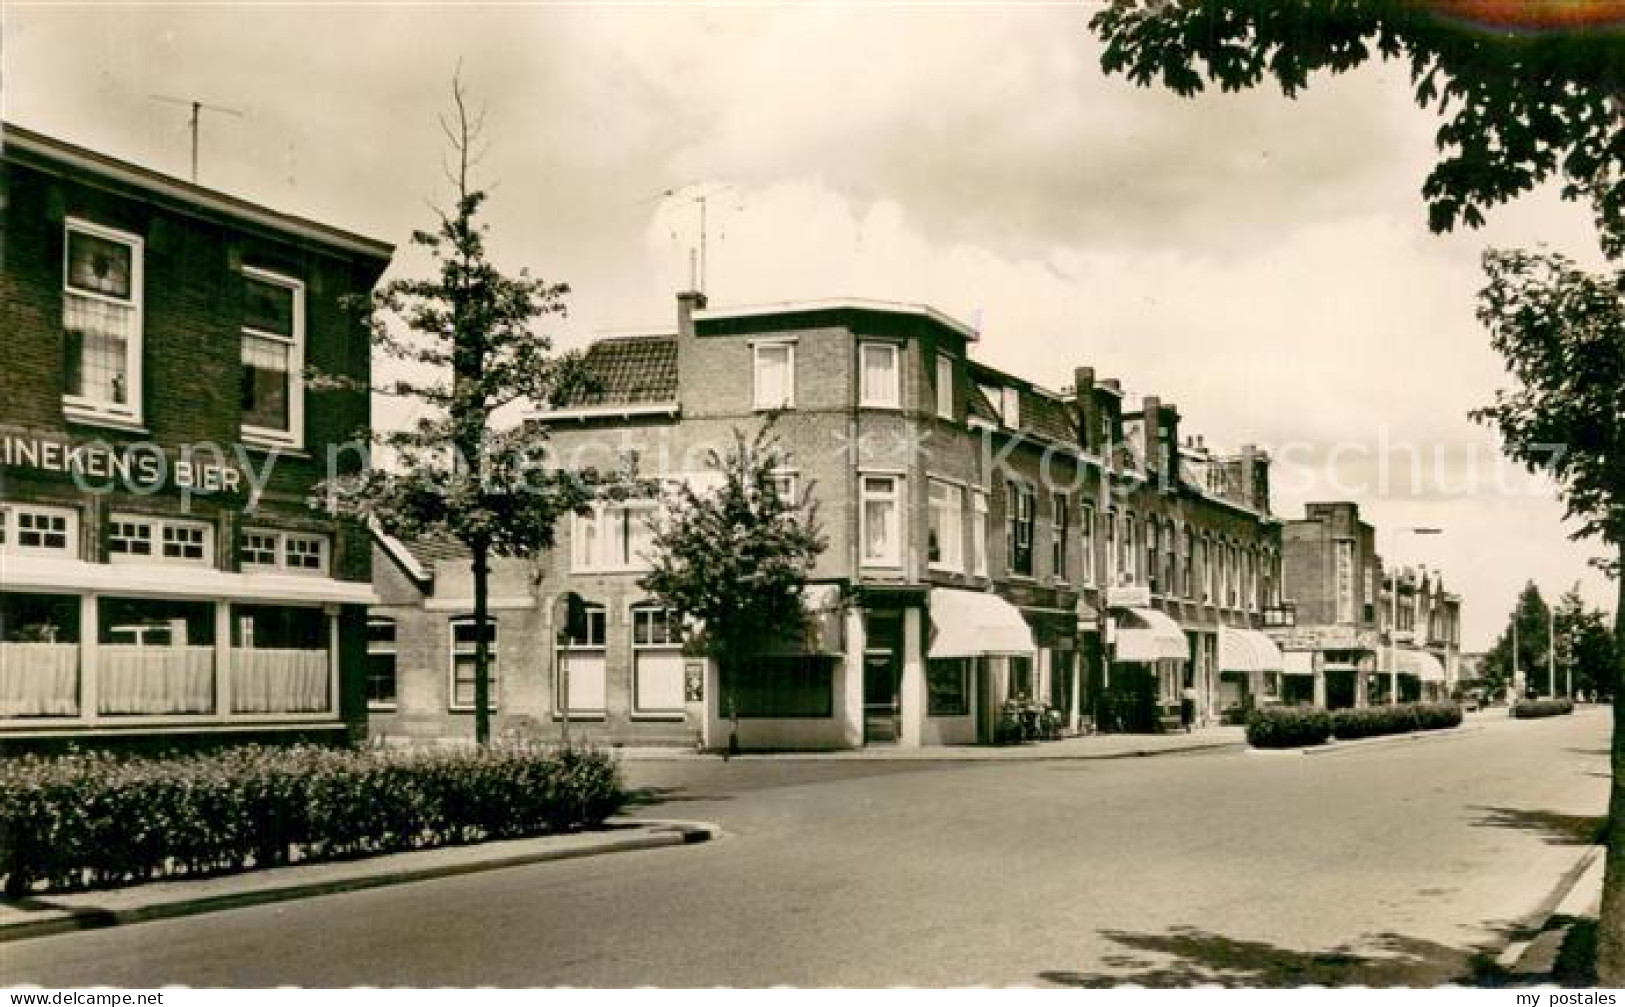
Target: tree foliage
(1519, 108)
(1528, 624)
(1585, 645)
(734, 557)
(465, 337)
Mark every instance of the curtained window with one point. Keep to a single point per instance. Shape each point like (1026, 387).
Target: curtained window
(101, 321)
(280, 659)
(155, 656)
(39, 655)
(272, 356)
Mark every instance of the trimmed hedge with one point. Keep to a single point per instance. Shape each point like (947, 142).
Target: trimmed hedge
(1297, 726)
(93, 820)
(1525, 709)
(1374, 721)
(1288, 726)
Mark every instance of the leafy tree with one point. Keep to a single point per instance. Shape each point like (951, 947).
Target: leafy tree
(735, 558)
(1529, 625)
(1585, 645)
(1521, 108)
(457, 472)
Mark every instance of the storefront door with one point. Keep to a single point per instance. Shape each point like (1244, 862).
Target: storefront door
(882, 713)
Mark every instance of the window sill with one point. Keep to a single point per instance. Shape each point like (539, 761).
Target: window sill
(268, 445)
(944, 568)
(381, 707)
(773, 409)
(469, 709)
(86, 416)
(659, 718)
(583, 717)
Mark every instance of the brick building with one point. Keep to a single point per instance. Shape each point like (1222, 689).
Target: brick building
(162, 574)
(985, 542)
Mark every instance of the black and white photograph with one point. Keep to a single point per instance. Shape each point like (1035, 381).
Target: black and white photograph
(1104, 495)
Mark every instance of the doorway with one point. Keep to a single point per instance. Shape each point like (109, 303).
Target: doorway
(883, 679)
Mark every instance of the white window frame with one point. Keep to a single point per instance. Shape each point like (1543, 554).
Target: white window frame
(607, 556)
(788, 483)
(566, 646)
(10, 539)
(294, 436)
(894, 558)
(87, 410)
(945, 386)
(493, 668)
(951, 537)
(1060, 514)
(156, 526)
(674, 645)
(1086, 537)
(376, 648)
(759, 400)
(282, 538)
(890, 397)
(978, 537)
(1010, 407)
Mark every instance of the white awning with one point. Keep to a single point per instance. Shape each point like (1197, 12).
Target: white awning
(970, 623)
(1145, 634)
(1248, 650)
(1298, 662)
(1419, 663)
(40, 573)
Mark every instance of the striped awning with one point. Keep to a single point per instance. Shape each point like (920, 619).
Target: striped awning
(1248, 650)
(1145, 634)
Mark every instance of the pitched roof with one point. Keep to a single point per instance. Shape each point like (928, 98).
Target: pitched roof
(1042, 413)
(628, 370)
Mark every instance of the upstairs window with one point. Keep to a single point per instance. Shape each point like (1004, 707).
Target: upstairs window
(774, 375)
(39, 531)
(881, 518)
(614, 537)
(101, 324)
(945, 544)
(1019, 532)
(978, 533)
(945, 386)
(134, 538)
(1060, 511)
(1010, 408)
(881, 380)
(292, 552)
(273, 337)
(1086, 522)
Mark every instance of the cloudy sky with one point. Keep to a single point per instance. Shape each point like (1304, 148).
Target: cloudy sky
(1262, 263)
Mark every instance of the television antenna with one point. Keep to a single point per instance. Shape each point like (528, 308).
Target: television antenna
(198, 108)
(700, 195)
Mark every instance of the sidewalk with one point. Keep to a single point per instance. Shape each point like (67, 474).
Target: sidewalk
(44, 915)
(1540, 958)
(1092, 746)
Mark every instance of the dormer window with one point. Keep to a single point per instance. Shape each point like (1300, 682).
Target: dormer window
(1010, 408)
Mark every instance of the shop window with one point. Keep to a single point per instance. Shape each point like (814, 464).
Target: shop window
(101, 324)
(780, 686)
(280, 659)
(582, 685)
(381, 656)
(464, 639)
(39, 655)
(657, 662)
(155, 656)
(273, 362)
(1021, 676)
(947, 687)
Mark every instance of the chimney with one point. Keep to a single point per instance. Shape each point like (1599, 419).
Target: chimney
(1168, 443)
(688, 302)
(1088, 410)
(1151, 433)
(1255, 475)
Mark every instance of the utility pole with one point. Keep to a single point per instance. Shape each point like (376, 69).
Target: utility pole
(1551, 652)
(197, 107)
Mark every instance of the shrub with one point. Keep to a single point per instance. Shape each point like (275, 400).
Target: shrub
(1527, 708)
(87, 820)
(1288, 726)
(1402, 718)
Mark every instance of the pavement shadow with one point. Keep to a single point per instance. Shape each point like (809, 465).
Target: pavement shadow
(1556, 828)
(646, 797)
(1187, 957)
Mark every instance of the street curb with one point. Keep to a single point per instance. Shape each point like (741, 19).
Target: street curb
(1358, 744)
(661, 833)
(1525, 956)
(860, 755)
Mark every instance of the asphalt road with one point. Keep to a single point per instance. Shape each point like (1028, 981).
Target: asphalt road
(1393, 865)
